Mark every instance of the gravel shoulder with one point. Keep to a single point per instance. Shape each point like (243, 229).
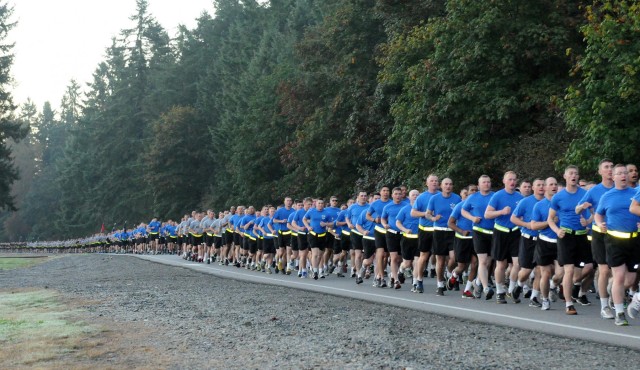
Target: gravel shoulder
(167, 317)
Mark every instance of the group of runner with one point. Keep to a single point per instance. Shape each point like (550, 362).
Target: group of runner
(536, 239)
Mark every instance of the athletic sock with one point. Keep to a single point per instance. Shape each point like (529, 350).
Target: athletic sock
(535, 293)
(520, 284)
(619, 308)
(604, 302)
(512, 286)
(468, 286)
(552, 285)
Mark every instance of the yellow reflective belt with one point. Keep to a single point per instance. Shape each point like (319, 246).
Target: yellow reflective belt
(285, 232)
(152, 233)
(460, 236)
(574, 232)
(504, 229)
(230, 230)
(209, 234)
(380, 229)
(410, 236)
(368, 237)
(547, 239)
(622, 235)
(316, 234)
(596, 228)
(425, 228)
(481, 230)
(271, 235)
(345, 232)
(437, 228)
(356, 232)
(197, 235)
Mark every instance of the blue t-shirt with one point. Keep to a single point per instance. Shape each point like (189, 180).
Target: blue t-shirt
(390, 214)
(264, 223)
(171, 230)
(282, 214)
(315, 217)
(353, 213)
(541, 214)
(593, 196)
(290, 218)
(375, 209)
(332, 215)
(405, 218)
(342, 215)
(564, 203)
(297, 217)
(420, 205)
(524, 211)
(502, 199)
(248, 229)
(439, 205)
(257, 222)
(614, 206)
(476, 204)
(462, 222)
(366, 224)
(154, 226)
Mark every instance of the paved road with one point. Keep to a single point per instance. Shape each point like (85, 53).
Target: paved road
(586, 325)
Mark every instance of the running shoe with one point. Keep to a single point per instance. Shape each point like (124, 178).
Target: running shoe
(451, 283)
(516, 294)
(468, 294)
(583, 300)
(534, 302)
(477, 290)
(621, 320)
(419, 287)
(376, 283)
(358, 280)
(408, 273)
(353, 272)
(339, 274)
(401, 277)
(634, 307)
(607, 313)
(546, 305)
(397, 285)
(432, 273)
(315, 275)
(553, 294)
(268, 271)
(574, 292)
(500, 298)
(571, 310)
(440, 291)
(527, 293)
(331, 269)
(488, 293)
(383, 283)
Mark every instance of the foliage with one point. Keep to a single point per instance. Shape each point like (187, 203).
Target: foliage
(602, 109)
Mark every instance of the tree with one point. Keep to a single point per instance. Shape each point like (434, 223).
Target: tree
(485, 84)
(602, 109)
(9, 128)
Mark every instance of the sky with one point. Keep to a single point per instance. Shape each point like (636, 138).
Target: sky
(60, 40)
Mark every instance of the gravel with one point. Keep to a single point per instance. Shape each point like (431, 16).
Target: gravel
(202, 321)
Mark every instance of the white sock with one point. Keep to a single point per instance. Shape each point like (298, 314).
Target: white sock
(604, 302)
(619, 308)
(535, 293)
(512, 286)
(468, 286)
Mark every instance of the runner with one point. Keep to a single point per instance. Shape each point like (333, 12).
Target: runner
(463, 245)
(506, 235)
(374, 214)
(614, 218)
(425, 233)
(439, 210)
(522, 217)
(409, 243)
(590, 202)
(473, 210)
(393, 234)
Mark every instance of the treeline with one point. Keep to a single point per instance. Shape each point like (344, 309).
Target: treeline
(322, 97)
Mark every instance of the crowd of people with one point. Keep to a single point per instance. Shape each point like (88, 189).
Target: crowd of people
(536, 240)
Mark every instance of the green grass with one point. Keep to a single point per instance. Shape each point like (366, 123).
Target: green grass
(15, 263)
(36, 327)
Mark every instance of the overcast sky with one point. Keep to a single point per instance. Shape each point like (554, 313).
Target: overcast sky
(57, 40)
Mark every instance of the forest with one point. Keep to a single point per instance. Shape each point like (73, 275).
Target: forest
(266, 99)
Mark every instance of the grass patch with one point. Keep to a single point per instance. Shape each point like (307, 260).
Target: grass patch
(15, 263)
(37, 329)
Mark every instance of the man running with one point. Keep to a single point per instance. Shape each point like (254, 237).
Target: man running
(425, 233)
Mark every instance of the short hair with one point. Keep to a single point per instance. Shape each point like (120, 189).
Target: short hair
(307, 199)
(571, 167)
(397, 188)
(605, 160)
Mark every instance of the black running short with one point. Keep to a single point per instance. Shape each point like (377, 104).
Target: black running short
(442, 242)
(505, 245)
(463, 250)
(269, 246)
(409, 248)
(574, 249)
(622, 252)
(217, 241)
(345, 242)
(425, 241)
(546, 252)
(482, 242)
(598, 249)
(284, 240)
(252, 245)
(317, 241)
(294, 242)
(393, 242)
(369, 247)
(527, 250)
(380, 239)
(303, 242)
(356, 241)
